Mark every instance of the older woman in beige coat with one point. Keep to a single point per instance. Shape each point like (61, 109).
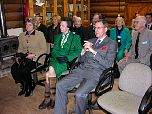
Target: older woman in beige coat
(31, 44)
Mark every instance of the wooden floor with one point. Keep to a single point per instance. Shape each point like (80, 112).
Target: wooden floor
(10, 103)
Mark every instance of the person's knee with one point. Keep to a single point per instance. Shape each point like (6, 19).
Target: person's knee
(14, 67)
(47, 74)
(80, 95)
(51, 69)
(25, 70)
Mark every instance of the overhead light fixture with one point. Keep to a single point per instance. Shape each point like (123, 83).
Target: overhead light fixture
(39, 3)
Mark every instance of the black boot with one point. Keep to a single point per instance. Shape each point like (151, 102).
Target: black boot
(23, 89)
(28, 90)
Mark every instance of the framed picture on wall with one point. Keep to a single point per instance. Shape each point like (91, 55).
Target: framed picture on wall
(49, 15)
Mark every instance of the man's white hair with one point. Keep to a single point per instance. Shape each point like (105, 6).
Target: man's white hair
(142, 18)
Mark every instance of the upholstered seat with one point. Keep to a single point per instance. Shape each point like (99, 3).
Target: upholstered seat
(134, 81)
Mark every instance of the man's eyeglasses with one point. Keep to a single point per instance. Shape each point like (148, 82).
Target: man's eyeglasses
(98, 27)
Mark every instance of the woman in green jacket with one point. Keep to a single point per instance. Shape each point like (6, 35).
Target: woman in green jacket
(67, 46)
(122, 35)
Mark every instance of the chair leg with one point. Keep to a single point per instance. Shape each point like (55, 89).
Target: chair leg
(36, 81)
(35, 78)
(92, 104)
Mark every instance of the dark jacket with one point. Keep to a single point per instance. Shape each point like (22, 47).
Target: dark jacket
(52, 32)
(79, 31)
(89, 32)
(43, 29)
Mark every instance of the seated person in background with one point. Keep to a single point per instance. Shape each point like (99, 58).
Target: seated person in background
(53, 30)
(141, 48)
(40, 26)
(98, 54)
(121, 34)
(89, 32)
(78, 28)
(67, 46)
(32, 43)
(149, 20)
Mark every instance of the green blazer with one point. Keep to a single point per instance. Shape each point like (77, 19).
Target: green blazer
(125, 41)
(71, 52)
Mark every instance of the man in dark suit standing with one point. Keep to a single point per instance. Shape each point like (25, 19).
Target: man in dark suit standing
(98, 54)
(141, 48)
(149, 20)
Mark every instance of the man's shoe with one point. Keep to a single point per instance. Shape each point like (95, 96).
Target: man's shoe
(45, 104)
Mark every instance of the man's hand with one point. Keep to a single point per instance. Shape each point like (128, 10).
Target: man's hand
(88, 47)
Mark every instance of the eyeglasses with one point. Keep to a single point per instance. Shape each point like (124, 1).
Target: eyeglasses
(98, 27)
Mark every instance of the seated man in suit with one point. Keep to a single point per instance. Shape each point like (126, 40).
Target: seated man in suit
(141, 48)
(98, 54)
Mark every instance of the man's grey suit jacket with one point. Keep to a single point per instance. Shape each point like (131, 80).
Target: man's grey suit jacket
(104, 58)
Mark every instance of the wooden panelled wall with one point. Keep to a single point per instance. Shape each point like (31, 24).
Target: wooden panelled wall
(13, 13)
(128, 8)
(109, 8)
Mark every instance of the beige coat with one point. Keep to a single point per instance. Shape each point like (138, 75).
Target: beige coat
(35, 44)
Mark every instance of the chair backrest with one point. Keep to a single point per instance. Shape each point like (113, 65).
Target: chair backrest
(136, 78)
